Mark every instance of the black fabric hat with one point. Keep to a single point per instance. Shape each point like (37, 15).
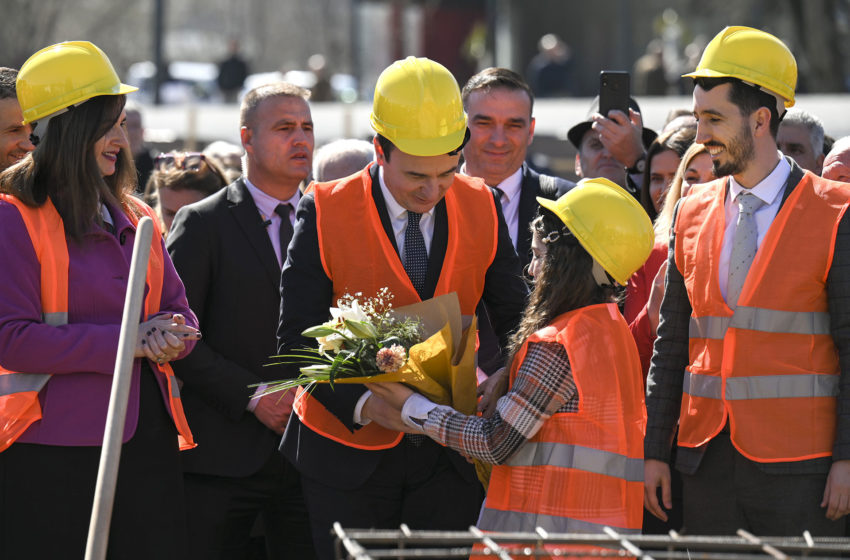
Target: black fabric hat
(576, 133)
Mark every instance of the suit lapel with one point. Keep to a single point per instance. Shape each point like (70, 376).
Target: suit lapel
(248, 217)
(529, 192)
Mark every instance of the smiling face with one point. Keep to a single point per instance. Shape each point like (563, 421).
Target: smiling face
(501, 129)
(417, 183)
(108, 146)
(14, 136)
(723, 130)
(279, 143)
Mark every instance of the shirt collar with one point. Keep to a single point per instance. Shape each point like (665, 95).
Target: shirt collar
(394, 209)
(267, 203)
(511, 186)
(769, 188)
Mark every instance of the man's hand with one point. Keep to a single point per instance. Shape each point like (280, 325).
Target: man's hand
(378, 410)
(274, 409)
(621, 135)
(656, 473)
(491, 390)
(836, 495)
(394, 394)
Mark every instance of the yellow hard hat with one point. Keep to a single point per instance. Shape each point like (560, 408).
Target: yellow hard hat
(753, 56)
(65, 74)
(608, 222)
(418, 108)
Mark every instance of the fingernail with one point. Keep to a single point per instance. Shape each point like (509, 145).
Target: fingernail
(153, 329)
(144, 342)
(148, 333)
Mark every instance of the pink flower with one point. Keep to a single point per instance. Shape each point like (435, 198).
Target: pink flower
(391, 359)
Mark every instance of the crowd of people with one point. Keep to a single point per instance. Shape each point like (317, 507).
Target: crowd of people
(663, 345)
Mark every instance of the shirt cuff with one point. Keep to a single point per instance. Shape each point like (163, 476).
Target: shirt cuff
(255, 398)
(415, 411)
(358, 409)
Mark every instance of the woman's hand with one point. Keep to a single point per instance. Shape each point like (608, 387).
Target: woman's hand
(394, 394)
(162, 338)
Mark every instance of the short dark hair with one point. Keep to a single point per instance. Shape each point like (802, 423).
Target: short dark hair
(493, 78)
(748, 98)
(256, 96)
(387, 146)
(8, 77)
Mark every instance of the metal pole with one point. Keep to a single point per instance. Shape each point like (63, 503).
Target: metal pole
(110, 454)
(159, 63)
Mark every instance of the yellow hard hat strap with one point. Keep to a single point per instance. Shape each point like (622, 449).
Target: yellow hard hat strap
(600, 275)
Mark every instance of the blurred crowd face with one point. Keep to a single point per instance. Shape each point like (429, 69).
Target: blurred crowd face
(836, 166)
(723, 130)
(699, 170)
(14, 136)
(279, 142)
(169, 201)
(662, 169)
(594, 160)
(794, 141)
(501, 130)
(109, 146)
(417, 183)
(135, 132)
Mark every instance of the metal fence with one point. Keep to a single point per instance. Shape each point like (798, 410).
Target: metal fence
(367, 544)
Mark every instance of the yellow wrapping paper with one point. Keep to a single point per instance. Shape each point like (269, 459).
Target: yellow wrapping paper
(442, 366)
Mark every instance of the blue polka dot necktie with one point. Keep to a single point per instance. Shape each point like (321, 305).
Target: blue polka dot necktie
(744, 245)
(415, 255)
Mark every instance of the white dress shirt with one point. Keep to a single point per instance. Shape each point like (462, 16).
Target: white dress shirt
(266, 205)
(770, 191)
(398, 220)
(511, 188)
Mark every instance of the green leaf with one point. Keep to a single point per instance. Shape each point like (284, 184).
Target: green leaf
(316, 332)
(361, 329)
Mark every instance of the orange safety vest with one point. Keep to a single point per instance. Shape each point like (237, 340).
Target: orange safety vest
(583, 470)
(771, 364)
(358, 257)
(19, 404)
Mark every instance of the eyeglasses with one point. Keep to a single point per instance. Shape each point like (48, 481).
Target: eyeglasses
(192, 161)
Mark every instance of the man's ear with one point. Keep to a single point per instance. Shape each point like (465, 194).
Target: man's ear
(380, 159)
(246, 136)
(578, 165)
(760, 120)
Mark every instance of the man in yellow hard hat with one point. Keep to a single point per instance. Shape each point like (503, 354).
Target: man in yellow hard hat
(411, 224)
(751, 359)
(14, 134)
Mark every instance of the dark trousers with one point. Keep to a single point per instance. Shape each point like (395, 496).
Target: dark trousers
(223, 510)
(47, 491)
(418, 486)
(729, 492)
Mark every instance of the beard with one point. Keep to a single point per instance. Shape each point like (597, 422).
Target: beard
(739, 152)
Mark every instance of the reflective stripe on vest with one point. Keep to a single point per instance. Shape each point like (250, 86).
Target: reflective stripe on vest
(773, 356)
(762, 386)
(347, 206)
(541, 453)
(517, 521)
(19, 403)
(758, 319)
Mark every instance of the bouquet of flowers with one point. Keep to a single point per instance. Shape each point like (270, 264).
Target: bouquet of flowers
(363, 339)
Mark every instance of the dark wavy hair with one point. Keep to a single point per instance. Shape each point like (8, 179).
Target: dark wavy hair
(64, 168)
(565, 281)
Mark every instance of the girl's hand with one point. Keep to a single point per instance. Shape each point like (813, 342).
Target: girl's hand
(162, 338)
(394, 394)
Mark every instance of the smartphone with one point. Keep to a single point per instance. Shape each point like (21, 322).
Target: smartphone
(613, 91)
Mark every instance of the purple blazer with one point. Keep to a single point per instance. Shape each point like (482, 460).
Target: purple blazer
(79, 355)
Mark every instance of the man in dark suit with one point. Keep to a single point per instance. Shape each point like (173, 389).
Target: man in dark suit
(500, 106)
(410, 223)
(228, 250)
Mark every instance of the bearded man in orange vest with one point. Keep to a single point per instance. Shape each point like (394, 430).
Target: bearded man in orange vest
(752, 353)
(411, 224)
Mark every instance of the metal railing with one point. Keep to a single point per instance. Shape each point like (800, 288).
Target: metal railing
(368, 544)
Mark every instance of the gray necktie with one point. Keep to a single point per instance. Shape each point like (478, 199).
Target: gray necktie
(744, 246)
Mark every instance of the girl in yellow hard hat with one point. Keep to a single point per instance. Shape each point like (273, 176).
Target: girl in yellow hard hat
(567, 438)
(69, 222)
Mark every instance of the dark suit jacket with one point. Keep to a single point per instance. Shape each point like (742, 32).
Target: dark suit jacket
(224, 256)
(670, 357)
(307, 296)
(490, 356)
